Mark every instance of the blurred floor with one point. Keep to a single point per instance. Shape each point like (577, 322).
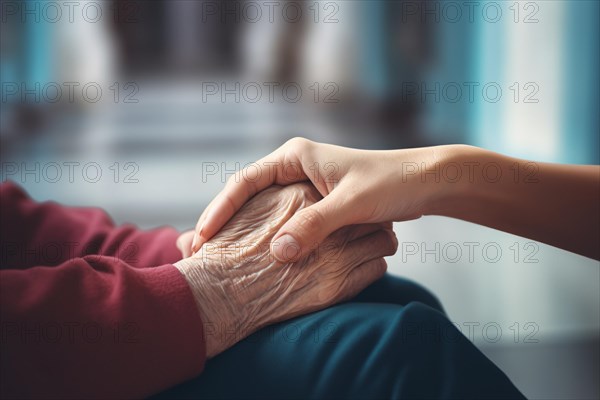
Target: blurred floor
(174, 140)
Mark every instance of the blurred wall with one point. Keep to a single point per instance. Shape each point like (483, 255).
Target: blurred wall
(155, 103)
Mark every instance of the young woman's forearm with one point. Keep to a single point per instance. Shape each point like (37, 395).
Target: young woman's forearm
(551, 203)
(555, 204)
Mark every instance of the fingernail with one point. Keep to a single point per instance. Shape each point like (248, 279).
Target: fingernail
(286, 248)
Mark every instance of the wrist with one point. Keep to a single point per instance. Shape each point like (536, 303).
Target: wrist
(212, 308)
(454, 180)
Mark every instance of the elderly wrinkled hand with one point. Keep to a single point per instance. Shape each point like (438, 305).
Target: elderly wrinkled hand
(240, 288)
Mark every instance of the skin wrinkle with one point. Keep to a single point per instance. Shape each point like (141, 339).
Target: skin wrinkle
(241, 288)
(251, 225)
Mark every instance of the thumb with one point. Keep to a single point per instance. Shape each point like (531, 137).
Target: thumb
(184, 243)
(308, 228)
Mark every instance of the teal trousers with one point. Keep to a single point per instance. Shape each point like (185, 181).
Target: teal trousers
(391, 341)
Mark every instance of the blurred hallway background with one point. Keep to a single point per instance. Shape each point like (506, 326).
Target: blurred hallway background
(144, 108)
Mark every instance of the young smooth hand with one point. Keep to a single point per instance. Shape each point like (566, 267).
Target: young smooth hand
(358, 186)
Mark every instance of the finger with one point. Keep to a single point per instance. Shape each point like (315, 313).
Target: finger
(362, 276)
(217, 218)
(379, 244)
(353, 232)
(309, 227)
(278, 167)
(196, 244)
(183, 243)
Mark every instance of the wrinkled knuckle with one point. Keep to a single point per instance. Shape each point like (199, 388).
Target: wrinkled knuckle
(334, 255)
(392, 241)
(380, 268)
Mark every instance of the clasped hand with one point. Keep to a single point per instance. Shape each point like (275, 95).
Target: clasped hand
(239, 287)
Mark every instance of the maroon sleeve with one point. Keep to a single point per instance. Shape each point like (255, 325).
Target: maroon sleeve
(49, 234)
(92, 325)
